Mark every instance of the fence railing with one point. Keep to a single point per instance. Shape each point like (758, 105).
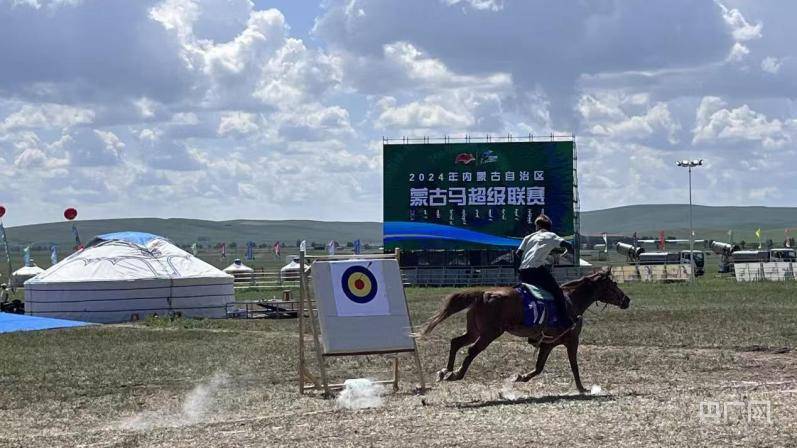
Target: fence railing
(770, 271)
(652, 273)
(261, 278)
(426, 276)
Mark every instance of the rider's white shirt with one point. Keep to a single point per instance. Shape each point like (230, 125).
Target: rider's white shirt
(536, 248)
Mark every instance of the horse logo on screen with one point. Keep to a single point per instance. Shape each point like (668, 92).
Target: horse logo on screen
(359, 284)
(464, 158)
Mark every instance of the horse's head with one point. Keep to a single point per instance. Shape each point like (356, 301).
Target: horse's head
(607, 291)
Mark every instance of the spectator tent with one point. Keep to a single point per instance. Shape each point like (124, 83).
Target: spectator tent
(125, 276)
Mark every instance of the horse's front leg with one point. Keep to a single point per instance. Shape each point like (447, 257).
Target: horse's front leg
(456, 344)
(572, 356)
(473, 351)
(542, 358)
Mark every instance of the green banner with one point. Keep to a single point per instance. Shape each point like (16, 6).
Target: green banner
(475, 195)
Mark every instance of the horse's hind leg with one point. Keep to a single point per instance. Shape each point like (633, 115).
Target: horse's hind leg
(484, 340)
(542, 358)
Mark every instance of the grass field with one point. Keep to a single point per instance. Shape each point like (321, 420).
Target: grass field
(232, 382)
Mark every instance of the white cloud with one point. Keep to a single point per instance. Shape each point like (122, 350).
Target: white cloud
(741, 28)
(237, 122)
(219, 106)
(771, 65)
(737, 53)
(716, 122)
(480, 5)
(47, 116)
(38, 4)
(627, 117)
(146, 107)
(150, 135)
(427, 114)
(432, 73)
(261, 63)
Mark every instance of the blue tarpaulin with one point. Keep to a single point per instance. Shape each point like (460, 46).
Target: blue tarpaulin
(10, 323)
(140, 238)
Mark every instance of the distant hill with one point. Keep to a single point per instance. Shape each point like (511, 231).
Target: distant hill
(646, 220)
(709, 222)
(187, 231)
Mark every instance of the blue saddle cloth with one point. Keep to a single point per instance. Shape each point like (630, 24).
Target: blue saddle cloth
(540, 308)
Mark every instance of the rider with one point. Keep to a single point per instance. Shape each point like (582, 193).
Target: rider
(534, 251)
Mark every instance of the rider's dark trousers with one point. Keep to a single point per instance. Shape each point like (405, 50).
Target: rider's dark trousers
(543, 278)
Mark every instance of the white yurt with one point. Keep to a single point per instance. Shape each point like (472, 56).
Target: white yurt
(125, 276)
(25, 273)
(290, 272)
(239, 270)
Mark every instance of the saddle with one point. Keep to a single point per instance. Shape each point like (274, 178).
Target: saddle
(540, 308)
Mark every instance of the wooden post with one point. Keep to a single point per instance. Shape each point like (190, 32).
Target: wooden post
(415, 353)
(396, 374)
(301, 331)
(313, 325)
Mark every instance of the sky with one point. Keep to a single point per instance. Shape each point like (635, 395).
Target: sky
(239, 109)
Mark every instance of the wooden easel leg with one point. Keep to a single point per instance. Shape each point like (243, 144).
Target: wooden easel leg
(420, 368)
(396, 374)
(313, 325)
(301, 368)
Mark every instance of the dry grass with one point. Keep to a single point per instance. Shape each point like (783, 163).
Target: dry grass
(137, 385)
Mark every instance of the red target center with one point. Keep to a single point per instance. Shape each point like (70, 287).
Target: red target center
(359, 284)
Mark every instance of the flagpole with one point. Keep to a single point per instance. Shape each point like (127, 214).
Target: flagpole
(691, 164)
(8, 253)
(5, 247)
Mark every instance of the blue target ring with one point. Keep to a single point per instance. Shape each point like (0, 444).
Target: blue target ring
(359, 284)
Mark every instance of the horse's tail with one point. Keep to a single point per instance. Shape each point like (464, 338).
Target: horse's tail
(453, 303)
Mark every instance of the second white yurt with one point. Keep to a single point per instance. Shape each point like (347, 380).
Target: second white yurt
(126, 276)
(290, 272)
(25, 273)
(239, 270)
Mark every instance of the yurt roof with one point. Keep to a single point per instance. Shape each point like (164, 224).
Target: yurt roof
(127, 256)
(237, 266)
(293, 266)
(27, 271)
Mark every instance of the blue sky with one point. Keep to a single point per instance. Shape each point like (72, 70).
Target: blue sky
(227, 109)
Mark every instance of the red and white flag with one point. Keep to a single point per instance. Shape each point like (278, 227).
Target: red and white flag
(277, 249)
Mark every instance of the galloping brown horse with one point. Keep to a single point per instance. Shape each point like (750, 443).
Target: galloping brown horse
(491, 312)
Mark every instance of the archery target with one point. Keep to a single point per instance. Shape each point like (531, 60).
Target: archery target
(361, 306)
(357, 290)
(359, 284)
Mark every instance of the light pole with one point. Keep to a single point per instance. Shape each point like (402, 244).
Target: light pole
(690, 164)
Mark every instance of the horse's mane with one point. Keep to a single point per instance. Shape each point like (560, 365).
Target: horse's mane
(573, 284)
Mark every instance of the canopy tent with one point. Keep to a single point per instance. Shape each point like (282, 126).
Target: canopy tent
(122, 276)
(24, 274)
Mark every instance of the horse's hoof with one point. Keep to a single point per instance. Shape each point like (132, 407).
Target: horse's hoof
(441, 374)
(521, 379)
(451, 376)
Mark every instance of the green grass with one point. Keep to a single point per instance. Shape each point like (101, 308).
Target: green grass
(70, 364)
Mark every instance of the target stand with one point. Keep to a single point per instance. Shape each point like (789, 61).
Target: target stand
(358, 307)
